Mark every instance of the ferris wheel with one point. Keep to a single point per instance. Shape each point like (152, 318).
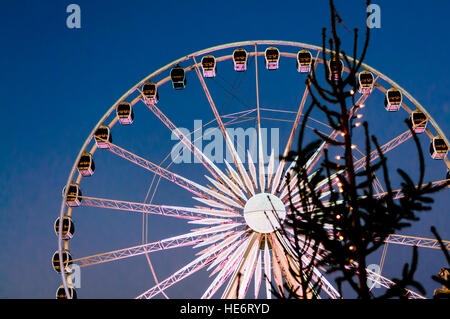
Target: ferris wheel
(235, 202)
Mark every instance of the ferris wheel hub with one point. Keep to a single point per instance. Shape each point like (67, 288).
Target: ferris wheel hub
(264, 213)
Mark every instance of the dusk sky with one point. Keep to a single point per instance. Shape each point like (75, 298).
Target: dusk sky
(56, 83)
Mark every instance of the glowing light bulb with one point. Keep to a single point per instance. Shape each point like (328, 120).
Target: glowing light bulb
(359, 116)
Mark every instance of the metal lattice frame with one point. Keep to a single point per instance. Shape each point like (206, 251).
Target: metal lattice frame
(228, 247)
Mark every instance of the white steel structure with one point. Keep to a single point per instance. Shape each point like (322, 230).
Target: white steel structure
(238, 209)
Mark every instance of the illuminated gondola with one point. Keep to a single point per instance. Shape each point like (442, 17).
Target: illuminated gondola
(66, 259)
(418, 121)
(150, 91)
(178, 77)
(67, 226)
(209, 66)
(125, 113)
(240, 59)
(438, 148)
(61, 293)
(86, 165)
(272, 58)
(304, 61)
(335, 68)
(103, 136)
(365, 82)
(74, 195)
(393, 100)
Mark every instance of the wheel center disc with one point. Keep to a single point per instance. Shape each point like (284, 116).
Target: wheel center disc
(264, 212)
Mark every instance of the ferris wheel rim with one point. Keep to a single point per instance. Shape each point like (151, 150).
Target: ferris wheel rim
(102, 120)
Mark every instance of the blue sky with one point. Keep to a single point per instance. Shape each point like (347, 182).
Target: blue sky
(56, 83)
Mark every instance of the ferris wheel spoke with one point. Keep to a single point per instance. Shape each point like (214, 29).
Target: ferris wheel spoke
(252, 172)
(181, 274)
(293, 121)
(258, 272)
(298, 115)
(396, 194)
(399, 194)
(267, 270)
(225, 190)
(215, 238)
(301, 240)
(234, 118)
(416, 241)
(361, 163)
(289, 189)
(207, 163)
(248, 270)
(237, 116)
(225, 258)
(172, 211)
(228, 260)
(262, 173)
(258, 121)
(237, 160)
(317, 276)
(295, 126)
(323, 283)
(318, 154)
(277, 177)
(235, 175)
(247, 182)
(283, 181)
(262, 170)
(281, 258)
(194, 188)
(220, 279)
(287, 263)
(165, 244)
(226, 241)
(206, 258)
(234, 89)
(377, 185)
(270, 170)
(238, 279)
(383, 281)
